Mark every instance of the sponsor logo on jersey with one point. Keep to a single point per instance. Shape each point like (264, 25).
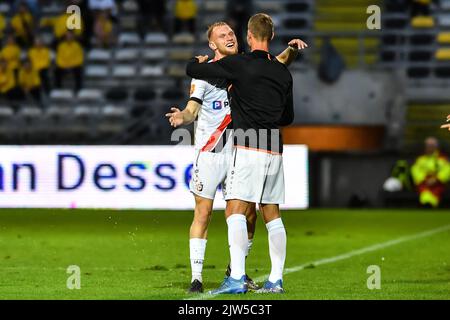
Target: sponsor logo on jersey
(217, 105)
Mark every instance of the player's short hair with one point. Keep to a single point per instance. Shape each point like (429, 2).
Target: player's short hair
(261, 26)
(214, 25)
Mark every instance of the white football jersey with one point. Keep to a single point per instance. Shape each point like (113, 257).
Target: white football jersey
(214, 116)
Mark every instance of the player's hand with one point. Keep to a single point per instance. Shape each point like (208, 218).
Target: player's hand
(298, 44)
(446, 126)
(175, 117)
(202, 59)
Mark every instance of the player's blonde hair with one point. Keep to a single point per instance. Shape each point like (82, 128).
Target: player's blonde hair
(261, 26)
(214, 25)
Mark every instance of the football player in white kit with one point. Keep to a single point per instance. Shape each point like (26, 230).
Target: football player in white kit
(213, 145)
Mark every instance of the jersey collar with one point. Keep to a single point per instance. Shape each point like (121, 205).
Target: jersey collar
(262, 54)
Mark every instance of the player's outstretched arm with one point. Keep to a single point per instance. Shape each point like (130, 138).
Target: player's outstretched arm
(187, 116)
(446, 126)
(199, 70)
(290, 53)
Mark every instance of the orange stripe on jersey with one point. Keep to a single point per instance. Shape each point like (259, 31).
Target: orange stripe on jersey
(259, 150)
(217, 134)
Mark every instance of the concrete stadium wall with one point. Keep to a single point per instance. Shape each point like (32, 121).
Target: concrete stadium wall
(358, 97)
(336, 178)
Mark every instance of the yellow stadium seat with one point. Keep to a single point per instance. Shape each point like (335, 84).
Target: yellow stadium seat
(443, 54)
(422, 22)
(444, 37)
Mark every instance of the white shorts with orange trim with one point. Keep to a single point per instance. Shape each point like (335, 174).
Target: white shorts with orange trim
(209, 172)
(255, 176)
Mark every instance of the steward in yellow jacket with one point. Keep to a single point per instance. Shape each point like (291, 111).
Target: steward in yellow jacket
(69, 59)
(28, 77)
(41, 60)
(11, 53)
(7, 78)
(2, 25)
(59, 25)
(23, 25)
(430, 173)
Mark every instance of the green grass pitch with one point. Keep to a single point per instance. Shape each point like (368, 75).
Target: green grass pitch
(145, 255)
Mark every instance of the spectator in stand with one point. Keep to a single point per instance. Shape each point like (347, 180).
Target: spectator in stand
(7, 81)
(238, 14)
(185, 16)
(8, 84)
(29, 81)
(2, 26)
(59, 24)
(152, 15)
(87, 21)
(103, 29)
(69, 60)
(430, 173)
(23, 25)
(41, 60)
(104, 14)
(33, 5)
(11, 53)
(421, 7)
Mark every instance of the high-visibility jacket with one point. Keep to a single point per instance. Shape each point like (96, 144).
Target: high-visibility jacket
(40, 57)
(11, 53)
(7, 80)
(59, 25)
(2, 25)
(29, 79)
(185, 9)
(22, 23)
(435, 164)
(69, 55)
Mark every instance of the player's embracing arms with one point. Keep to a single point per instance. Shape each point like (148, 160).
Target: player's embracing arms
(187, 116)
(446, 126)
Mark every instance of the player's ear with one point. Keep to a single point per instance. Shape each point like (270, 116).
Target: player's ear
(273, 35)
(212, 46)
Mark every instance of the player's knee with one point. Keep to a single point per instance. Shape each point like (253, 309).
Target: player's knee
(251, 213)
(202, 214)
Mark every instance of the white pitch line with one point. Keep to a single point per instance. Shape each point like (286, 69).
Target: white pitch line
(344, 256)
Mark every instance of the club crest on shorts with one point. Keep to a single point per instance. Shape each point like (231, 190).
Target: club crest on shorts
(199, 186)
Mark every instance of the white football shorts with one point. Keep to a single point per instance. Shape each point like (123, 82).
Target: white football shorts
(208, 172)
(255, 176)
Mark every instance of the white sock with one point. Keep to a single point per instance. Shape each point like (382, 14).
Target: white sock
(277, 248)
(238, 241)
(197, 248)
(249, 247)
